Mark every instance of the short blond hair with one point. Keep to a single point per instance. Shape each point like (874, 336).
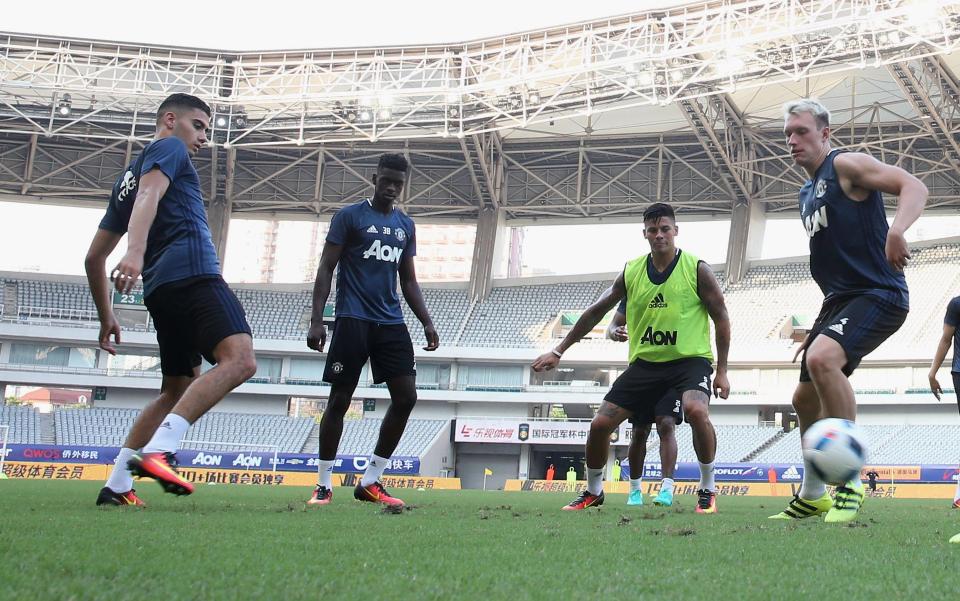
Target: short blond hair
(808, 105)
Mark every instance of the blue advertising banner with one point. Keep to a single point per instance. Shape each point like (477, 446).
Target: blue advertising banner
(289, 462)
(787, 472)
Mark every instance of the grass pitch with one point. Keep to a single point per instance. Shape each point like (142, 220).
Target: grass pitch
(234, 543)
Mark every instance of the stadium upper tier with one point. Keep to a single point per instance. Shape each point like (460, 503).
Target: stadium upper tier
(765, 307)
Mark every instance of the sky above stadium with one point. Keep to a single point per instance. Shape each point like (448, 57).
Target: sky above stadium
(281, 24)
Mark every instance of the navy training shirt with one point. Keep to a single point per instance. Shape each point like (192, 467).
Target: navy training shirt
(848, 240)
(952, 318)
(179, 244)
(373, 245)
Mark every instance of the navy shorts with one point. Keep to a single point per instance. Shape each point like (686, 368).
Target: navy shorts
(956, 386)
(192, 317)
(387, 346)
(645, 384)
(858, 323)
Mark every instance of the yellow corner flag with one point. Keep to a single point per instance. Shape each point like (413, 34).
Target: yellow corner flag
(487, 471)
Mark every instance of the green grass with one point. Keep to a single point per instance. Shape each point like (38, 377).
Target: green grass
(234, 543)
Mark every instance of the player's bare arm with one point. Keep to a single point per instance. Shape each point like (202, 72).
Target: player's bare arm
(617, 330)
(708, 289)
(590, 318)
(317, 334)
(103, 243)
(152, 187)
(414, 297)
(860, 173)
(942, 347)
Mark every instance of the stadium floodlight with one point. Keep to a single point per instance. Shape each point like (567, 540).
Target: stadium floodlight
(65, 106)
(221, 121)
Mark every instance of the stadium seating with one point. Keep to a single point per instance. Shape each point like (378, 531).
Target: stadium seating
(518, 316)
(22, 422)
(108, 427)
(734, 443)
(360, 436)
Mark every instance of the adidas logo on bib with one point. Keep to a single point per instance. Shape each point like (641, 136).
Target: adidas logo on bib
(658, 302)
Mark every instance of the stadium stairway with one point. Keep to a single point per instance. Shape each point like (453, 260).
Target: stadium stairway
(10, 298)
(769, 443)
(45, 429)
(312, 445)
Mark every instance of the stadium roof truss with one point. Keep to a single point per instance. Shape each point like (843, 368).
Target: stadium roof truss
(297, 133)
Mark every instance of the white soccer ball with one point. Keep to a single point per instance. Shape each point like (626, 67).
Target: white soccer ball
(836, 450)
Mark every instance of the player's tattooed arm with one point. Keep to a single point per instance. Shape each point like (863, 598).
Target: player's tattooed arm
(708, 288)
(590, 318)
(414, 297)
(317, 334)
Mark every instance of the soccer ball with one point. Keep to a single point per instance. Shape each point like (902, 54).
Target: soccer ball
(835, 449)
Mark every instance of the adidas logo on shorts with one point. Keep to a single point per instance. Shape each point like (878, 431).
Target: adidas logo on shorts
(838, 327)
(658, 302)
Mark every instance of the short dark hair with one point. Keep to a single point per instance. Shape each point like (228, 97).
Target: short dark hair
(397, 162)
(658, 210)
(178, 102)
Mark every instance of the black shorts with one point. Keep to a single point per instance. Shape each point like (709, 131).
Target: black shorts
(192, 317)
(668, 406)
(645, 384)
(858, 323)
(956, 386)
(388, 346)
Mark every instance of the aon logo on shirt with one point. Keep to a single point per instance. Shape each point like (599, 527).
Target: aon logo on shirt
(383, 252)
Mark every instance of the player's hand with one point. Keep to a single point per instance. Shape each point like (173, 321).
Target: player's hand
(317, 336)
(124, 275)
(801, 348)
(898, 254)
(433, 339)
(109, 328)
(545, 362)
(935, 385)
(619, 334)
(721, 385)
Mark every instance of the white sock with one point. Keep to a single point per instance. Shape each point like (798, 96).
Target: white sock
(595, 480)
(374, 470)
(325, 473)
(121, 480)
(812, 487)
(635, 483)
(168, 436)
(667, 484)
(706, 477)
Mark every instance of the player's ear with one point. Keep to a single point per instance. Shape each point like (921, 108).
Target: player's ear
(373, 179)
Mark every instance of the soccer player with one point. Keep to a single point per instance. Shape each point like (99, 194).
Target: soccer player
(667, 414)
(372, 242)
(950, 332)
(670, 294)
(158, 204)
(857, 260)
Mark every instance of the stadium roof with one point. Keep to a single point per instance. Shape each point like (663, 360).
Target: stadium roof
(592, 120)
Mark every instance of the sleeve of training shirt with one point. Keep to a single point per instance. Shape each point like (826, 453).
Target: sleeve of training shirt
(169, 155)
(339, 227)
(952, 318)
(117, 217)
(411, 249)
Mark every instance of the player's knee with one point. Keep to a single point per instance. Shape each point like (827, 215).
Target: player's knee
(338, 404)
(696, 413)
(601, 426)
(405, 403)
(821, 362)
(665, 428)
